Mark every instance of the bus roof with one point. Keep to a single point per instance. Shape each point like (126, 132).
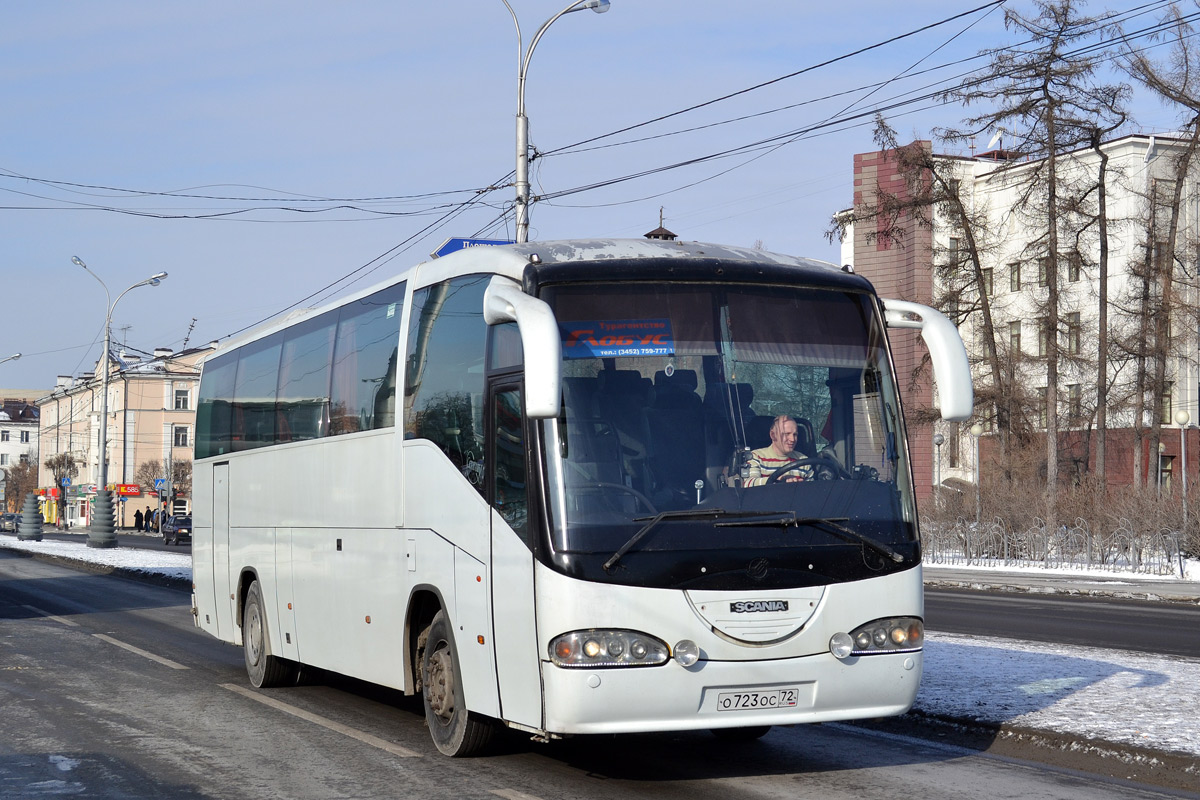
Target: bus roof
(564, 256)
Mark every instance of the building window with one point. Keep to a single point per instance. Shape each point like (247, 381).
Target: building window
(1073, 333)
(24, 458)
(1014, 338)
(1075, 403)
(952, 445)
(181, 436)
(3, 436)
(1073, 267)
(953, 252)
(1014, 276)
(181, 399)
(1041, 407)
(1043, 271)
(987, 281)
(1043, 347)
(24, 437)
(1168, 415)
(3, 459)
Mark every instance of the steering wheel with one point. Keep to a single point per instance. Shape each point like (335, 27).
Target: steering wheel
(589, 483)
(825, 468)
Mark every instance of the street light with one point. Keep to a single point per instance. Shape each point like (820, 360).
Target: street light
(938, 441)
(13, 357)
(523, 56)
(104, 534)
(1181, 419)
(976, 432)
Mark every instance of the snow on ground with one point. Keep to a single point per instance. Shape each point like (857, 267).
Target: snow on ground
(1112, 695)
(173, 565)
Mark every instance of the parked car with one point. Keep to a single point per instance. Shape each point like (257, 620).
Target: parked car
(8, 522)
(177, 529)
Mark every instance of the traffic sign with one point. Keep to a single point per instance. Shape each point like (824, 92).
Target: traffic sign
(160, 483)
(66, 481)
(459, 243)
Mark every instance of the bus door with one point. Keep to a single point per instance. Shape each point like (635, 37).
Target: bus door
(220, 550)
(514, 630)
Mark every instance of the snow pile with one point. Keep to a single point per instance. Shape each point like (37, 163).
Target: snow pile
(1114, 695)
(171, 565)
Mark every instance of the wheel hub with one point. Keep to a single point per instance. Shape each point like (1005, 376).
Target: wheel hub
(441, 684)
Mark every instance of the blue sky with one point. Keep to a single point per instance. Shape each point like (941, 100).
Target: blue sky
(332, 107)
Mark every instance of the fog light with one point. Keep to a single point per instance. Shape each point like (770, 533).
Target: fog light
(841, 645)
(591, 648)
(899, 636)
(687, 652)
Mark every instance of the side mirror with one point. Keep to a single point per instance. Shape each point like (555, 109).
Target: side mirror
(951, 369)
(505, 302)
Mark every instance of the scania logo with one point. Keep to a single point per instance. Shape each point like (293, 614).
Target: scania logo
(751, 606)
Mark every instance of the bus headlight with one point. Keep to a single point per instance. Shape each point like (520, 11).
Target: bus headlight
(608, 648)
(890, 635)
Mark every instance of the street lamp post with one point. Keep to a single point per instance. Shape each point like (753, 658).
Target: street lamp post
(523, 56)
(938, 441)
(976, 432)
(104, 534)
(13, 357)
(1181, 419)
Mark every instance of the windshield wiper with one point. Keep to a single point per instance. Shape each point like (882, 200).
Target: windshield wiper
(652, 522)
(787, 519)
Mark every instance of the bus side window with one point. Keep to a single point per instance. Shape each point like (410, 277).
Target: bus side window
(509, 495)
(364, 362)
(444, 365)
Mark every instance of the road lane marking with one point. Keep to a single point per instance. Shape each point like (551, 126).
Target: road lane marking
(69, 622)
(166, 662)
(324, 722)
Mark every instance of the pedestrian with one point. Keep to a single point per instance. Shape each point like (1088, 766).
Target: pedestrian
(137, 520)
(147, 519)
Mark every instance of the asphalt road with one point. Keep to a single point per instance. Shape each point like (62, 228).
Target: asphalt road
(1094, 622)
(108, 691)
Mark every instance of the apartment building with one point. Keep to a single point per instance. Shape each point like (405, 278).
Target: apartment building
(151, 417)
(920, 265)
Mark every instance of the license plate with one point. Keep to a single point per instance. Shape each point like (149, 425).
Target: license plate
(758, 699)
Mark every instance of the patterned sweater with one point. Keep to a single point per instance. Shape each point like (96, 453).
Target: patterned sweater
(764, 461)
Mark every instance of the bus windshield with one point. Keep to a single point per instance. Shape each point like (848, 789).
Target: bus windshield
(755, 421)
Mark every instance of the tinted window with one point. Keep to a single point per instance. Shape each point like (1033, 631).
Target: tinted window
(364, 362)
(303, 398)
(214, 410)
(254, 394)
(444, 384)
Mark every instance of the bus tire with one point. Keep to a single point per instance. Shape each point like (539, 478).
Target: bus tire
(264, 669)
(748, 734)
(455, 731)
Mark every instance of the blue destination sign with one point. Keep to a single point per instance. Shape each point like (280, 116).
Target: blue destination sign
(617, 338)
(457, 243)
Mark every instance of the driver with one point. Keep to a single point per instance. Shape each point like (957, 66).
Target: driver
(782, 451)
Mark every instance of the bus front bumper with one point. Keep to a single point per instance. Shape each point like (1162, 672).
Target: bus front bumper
(729, 694)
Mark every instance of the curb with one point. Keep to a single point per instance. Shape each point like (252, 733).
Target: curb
(143, 576)
(1117, 760)
(1147, 595)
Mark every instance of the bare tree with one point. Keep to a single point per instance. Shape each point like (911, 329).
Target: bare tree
(20, 480)
(63, 467)
(1045, 96)
(1175, 81)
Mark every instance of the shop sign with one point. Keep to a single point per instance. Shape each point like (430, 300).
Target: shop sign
(126, 489)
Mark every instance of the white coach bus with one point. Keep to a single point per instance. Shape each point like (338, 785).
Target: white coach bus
(528, 482)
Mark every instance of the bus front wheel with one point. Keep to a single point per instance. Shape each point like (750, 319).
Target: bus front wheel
(264, 669)
(454, 730)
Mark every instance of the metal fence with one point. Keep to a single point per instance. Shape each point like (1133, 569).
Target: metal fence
(1069, 547)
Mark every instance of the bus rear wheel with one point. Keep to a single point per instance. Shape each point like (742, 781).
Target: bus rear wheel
(264, 669)
(455, 731)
